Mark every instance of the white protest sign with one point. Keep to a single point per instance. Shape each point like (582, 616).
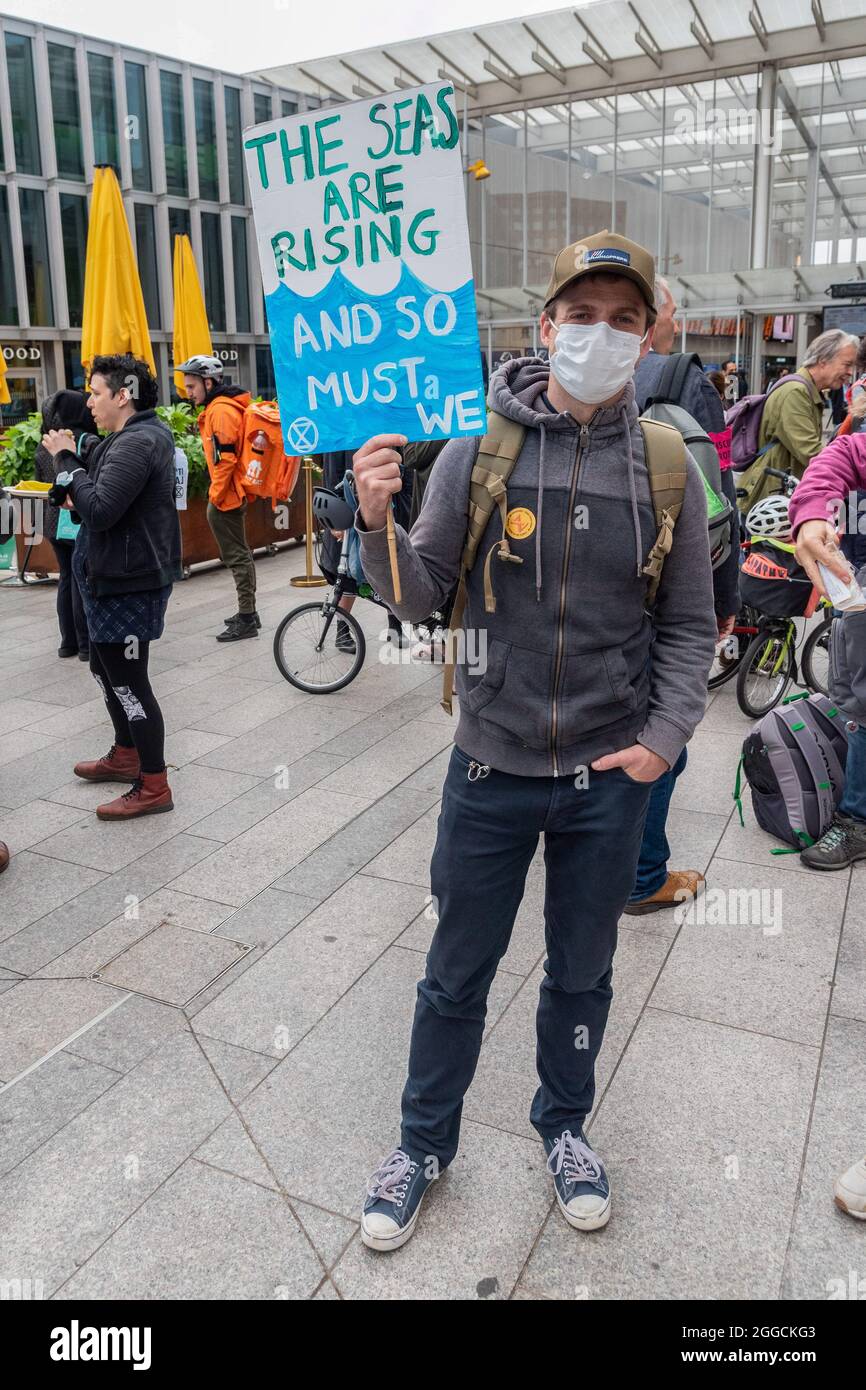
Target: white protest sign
(360, 217)
(181, 479)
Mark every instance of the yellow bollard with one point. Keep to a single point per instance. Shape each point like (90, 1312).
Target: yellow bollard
(308, 580)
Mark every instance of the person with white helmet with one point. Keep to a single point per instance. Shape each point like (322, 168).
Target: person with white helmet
(221, 425)
(769, 517)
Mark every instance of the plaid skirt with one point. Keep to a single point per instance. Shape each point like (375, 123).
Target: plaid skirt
(116, 617)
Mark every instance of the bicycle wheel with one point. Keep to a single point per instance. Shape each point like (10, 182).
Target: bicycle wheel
(766, 671)
(816, 658)
(307, 654)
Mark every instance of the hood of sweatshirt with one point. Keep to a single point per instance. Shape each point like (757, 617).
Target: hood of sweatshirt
(517, 390)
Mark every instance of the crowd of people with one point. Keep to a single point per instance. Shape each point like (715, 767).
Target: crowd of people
(601, 610)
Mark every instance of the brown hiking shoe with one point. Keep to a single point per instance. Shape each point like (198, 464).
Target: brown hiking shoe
(680, 886)
(117, 765)
(4, 856)
(149, 794)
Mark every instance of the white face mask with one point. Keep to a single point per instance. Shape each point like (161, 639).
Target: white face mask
(593, 362)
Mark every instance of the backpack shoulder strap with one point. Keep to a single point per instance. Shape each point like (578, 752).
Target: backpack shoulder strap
(665, 451)
(673, 377)
(498, 451)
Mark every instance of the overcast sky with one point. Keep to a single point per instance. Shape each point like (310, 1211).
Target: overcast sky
(248, 34)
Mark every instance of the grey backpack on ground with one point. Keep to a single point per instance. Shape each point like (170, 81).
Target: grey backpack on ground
(794, 764)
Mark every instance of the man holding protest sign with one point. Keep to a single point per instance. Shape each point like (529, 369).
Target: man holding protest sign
(569, 722)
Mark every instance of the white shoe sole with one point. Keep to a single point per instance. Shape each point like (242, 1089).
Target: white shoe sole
(585, 1223)
(839, 1199)
(395, 1241)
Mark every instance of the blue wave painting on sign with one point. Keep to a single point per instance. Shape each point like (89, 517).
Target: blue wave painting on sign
(386, 361)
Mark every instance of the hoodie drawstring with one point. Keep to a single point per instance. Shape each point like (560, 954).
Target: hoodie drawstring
(539, 503)
(632, 492)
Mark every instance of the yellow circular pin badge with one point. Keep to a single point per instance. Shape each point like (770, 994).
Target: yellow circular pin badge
(519, 523)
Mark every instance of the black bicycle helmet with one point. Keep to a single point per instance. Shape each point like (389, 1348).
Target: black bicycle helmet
(332, 510)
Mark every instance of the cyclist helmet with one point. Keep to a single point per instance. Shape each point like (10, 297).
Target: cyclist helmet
(332, 510)
(769, 517)
(202, 366)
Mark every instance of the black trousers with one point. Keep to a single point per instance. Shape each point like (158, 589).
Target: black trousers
(70, 607)
(131, 703)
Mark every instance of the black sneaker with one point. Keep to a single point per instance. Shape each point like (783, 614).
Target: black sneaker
(839, 847)
(244, 625)
(582, 1188)
(234, 617)
(345, 642)
(394, 1196)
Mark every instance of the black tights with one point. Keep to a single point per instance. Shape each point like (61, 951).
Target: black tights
(135, 714)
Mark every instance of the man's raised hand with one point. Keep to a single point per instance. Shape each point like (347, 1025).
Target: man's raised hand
(376, 466)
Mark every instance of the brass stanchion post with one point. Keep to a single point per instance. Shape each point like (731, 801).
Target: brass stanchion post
(308, 580)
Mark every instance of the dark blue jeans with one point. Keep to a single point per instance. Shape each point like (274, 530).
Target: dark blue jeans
(487, 836)
(652, 866)
(853, 801)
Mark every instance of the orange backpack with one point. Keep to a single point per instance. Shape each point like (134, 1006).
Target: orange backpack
(265, 469)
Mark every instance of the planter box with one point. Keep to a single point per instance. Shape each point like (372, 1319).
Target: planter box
(198, 541)
(41, 560)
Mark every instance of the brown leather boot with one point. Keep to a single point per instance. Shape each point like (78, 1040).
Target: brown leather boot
(149, 794)
(4, 856)
(117, 765)
(676, 889)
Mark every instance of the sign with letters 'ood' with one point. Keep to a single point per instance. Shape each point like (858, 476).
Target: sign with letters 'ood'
(360, 217)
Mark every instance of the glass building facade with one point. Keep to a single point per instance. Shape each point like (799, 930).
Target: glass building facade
(173, 133)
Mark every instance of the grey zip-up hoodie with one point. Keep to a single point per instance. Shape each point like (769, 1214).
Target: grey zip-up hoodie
(575, 667)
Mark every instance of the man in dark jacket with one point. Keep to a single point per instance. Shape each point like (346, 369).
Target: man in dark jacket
(66, 410)
(127, 558)
(656, 886)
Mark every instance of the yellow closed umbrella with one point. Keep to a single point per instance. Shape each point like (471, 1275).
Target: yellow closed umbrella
(5, 398)
(114, 313)
(191, 328)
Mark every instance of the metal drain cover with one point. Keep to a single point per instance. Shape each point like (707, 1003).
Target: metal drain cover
(172, 964)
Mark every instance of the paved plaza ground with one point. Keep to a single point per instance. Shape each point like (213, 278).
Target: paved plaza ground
(219, 1148)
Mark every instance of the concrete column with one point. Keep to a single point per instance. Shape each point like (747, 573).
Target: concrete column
(810, 217)
(756, 371)
(762, 191)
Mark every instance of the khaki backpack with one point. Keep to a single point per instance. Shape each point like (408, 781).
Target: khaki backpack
(498, 452)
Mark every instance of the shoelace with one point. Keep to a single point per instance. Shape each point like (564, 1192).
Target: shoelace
(390, 1181)
(135, 790)
(834, 836)
(575, 1157)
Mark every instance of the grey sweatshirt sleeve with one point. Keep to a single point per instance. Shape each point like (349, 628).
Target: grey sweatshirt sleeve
(428, 556)
(685, 630)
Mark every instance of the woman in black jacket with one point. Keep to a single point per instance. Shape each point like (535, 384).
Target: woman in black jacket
(127, 558)
(66, 410)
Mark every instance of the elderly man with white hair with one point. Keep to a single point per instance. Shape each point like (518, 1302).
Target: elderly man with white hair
(793, 414)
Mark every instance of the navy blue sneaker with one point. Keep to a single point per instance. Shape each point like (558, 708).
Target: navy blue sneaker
(394, 1196)
(582, 1188)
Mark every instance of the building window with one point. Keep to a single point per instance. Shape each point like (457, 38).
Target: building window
(138, 126)
(145, 249)
(103, 110)
(178, 225)
(205, 139)
(261, 107)
(214, 288)
(73, 369)
(233, 141)
(35, 239)
(241, 274)
(8, 297)
(22, 95)
(290, 108)
(66, 111)
(266, 383)
(73, 224)
(174, 137)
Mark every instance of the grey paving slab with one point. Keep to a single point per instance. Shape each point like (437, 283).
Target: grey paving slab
(506, 1080)
(21, 713)
(172, 963)
(749, 844)
(326, 1290)
(87, 716)
(262, 922)
(45, 1100)
(354, 846)
(60, 929)
(63, 1201)
(37, 773)
(139, 918)
(371, 730)
(21, 743)
(24, 828)
(281, 742)
(849, 988)
(267, 796)
(238, 871)
(38, 1015)
(475, 1232)
(378, 769)
(203, 1235)
(343, 1083)
(279, 999)
(763, 956)
(708, 779)
(33, 885)
(207, 698)
(826, 1244)
(702, 1131)
(97, 844)
(129, 1034)
(268, 703)
(431, 776)
(407, 858)
(238, 1069)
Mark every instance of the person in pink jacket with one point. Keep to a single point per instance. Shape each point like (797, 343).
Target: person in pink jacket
(825, 502)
